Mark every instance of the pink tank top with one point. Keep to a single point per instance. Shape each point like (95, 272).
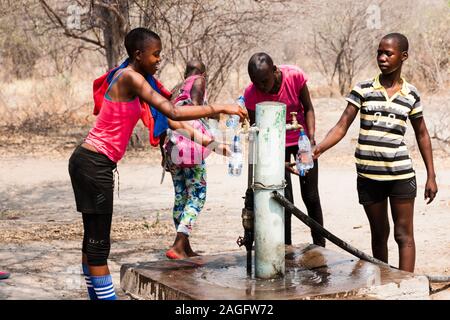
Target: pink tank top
(184, 98)
(185, 153)
(114, 126)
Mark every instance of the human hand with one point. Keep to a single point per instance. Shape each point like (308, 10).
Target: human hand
(430, 189)
(238, 110)
(291, 168)
(222, 149)
(316, 151)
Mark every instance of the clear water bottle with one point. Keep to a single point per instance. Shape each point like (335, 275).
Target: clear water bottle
(214, 128)
(304, 158)
(235, 161)
(233, 119)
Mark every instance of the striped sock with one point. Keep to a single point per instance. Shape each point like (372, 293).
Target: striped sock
(87, 277)
(104, 287)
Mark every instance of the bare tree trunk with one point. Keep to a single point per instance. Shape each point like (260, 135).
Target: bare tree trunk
(111, 38)
(114, 14)
(107, 18)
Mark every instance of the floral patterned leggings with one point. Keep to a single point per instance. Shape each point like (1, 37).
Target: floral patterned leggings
(190, 195)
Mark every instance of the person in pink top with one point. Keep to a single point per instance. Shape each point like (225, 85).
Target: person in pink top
(92, 163)
(189, 177)
(287, 84)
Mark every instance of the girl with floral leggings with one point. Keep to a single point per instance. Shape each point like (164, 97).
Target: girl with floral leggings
(189, 181)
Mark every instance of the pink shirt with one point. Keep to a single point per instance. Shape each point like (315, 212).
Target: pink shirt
(185, 91)
(293, 81)
(113, 127)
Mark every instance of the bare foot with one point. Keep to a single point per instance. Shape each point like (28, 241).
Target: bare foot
(181, 248)
(188, 249)
(193, 254)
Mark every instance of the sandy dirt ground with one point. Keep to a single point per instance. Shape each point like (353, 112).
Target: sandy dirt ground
(40, 231)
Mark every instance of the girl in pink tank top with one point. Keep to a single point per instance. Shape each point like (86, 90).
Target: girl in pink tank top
(91, 164)
(114, 125)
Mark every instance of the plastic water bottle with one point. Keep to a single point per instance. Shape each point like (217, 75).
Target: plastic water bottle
(304, 158)
(236, 160)
(214, 127)
(233, 119)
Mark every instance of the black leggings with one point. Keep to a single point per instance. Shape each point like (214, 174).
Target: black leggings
(310, 195)
(96, 239)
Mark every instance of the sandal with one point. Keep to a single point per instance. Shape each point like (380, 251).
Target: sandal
(172, 255)
(4, 275)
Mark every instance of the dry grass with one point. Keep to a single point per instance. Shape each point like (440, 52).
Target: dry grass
(122, 229)
(44, 106)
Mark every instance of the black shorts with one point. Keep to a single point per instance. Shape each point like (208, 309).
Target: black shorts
(92, 179)
(373, 191)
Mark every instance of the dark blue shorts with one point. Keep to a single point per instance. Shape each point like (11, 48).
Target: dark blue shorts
(373, 191)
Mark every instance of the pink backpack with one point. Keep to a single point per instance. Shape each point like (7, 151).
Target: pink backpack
(184, 152)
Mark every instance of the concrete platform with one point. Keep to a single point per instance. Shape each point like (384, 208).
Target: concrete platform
(311, 273)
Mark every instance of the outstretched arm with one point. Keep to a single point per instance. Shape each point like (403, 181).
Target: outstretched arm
(190, 132)
(424, 142)
(338, 131)
(140, 87)
(310, 118)
(197, 136)
(197, 94)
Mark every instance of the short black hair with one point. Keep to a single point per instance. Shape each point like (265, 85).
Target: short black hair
(401, 39)
(136, 39)
(257, 61)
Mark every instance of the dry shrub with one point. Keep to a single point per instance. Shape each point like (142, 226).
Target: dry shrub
(46, 106)
(430, 63)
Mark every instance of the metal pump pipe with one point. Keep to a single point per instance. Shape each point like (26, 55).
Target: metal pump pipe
(269, 176)
(248, 216)
(269, 165)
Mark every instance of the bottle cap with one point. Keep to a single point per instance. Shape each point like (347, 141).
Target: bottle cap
(241, 101)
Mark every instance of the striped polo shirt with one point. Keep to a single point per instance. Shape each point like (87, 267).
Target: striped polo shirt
(381, 153)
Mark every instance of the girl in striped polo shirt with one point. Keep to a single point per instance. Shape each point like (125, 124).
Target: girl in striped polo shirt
(383, 164)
